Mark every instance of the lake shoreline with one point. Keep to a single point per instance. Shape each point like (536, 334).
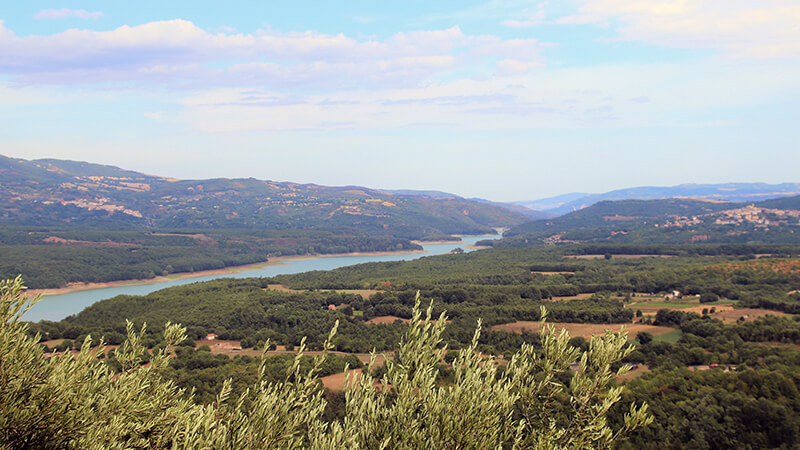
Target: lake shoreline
(77, 286)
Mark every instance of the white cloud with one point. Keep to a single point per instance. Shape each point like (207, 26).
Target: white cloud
(177, 52)
(515, 67)
(517, 98)
(533, 17)
(65, 13)
(738, 28)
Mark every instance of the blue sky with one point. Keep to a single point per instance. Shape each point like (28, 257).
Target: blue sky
(505, 100)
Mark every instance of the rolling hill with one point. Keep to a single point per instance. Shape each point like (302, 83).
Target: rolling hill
(51, 192)
(731, 192)
(673, 221)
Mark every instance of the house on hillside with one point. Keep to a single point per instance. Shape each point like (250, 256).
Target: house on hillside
(211, 336)
(331, 307)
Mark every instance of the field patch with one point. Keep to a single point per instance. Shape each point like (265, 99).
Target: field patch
(336, 381)
(732, 315)
(573, 297)
(639, 370)
(383, 320)
(365, 293)
(617, 256)
(585, 330)
(670, 336)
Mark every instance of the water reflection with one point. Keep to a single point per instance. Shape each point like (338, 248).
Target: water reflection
(57, 307)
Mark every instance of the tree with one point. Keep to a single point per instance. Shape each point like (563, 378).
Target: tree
(644, 337)
(78, 402)
(708, 297)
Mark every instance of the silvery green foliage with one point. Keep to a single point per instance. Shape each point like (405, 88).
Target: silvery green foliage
(76, 401)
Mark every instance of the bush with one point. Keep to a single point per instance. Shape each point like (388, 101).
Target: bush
(644, 337)
(708, 297)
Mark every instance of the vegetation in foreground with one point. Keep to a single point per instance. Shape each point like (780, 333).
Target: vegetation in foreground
(78, 401)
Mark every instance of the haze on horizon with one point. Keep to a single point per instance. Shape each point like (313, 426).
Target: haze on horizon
(504, 100)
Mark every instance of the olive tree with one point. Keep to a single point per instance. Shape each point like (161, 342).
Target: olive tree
(76, 401)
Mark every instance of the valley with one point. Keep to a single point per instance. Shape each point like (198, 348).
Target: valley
(703, 292)
(343, 225)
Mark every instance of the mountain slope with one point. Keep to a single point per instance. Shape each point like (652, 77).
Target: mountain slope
(54, 192)
(527, 212)
(732, 192)
(669, 221)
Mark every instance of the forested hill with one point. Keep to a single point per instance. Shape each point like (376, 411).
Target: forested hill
(731, 192)
(55, 193)
(673, 221)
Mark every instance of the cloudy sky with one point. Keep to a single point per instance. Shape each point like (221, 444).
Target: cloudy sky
(505, 100)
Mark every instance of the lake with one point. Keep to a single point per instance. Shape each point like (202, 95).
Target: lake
(57, 307)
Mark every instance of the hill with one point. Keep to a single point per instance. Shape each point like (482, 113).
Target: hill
(731, 192)
(669, 221)
(53, 192)
(527, 212)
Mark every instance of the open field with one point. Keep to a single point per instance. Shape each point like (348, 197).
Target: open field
(585, 330)
(640, 370)
(336, 381)
(616, 256)
(365, 293)
(670, 336)
(653, 308)
(732, 315)
(572, 297)
(234, 348)
(383, 320)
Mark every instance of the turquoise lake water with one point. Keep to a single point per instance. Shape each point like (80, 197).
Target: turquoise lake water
(57, 307)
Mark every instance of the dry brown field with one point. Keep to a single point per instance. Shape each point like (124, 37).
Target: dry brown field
(336, 381)
(365, 293)
(383, 320)
(616, 256)
(585, 330)
(732, 315)
(635, 373)
(695, 309)
(572, 297)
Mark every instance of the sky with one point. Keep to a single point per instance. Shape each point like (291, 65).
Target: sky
(502, 100)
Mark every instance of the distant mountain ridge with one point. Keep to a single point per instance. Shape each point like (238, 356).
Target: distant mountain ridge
(674, 220)
(530, 213)
(527, 212)
(56, 192)
(732, 192)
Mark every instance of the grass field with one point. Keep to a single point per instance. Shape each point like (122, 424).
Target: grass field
(670, 336)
